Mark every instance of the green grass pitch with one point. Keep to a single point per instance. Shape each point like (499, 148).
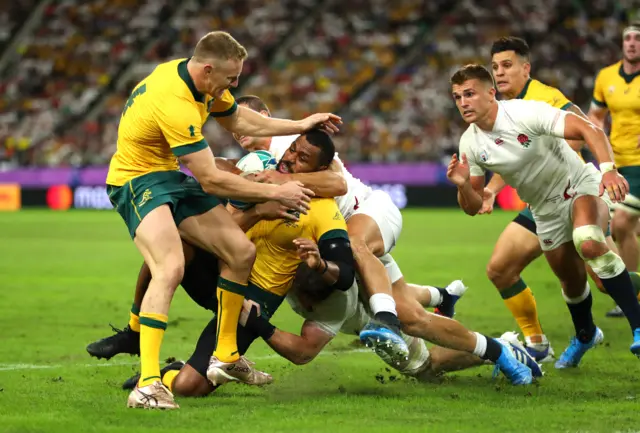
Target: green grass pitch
(65, 276)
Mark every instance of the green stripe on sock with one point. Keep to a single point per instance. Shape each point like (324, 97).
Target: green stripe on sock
(151, 377)
(135, 309)
(512, 291)
(152, 323)
(231, 286)
(635, 279)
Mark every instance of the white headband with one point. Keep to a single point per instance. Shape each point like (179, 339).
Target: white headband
(629, 30)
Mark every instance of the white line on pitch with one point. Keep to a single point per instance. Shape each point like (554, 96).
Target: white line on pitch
(16, 367)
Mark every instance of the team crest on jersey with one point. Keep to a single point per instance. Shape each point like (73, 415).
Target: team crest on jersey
(483, 156)
(499, 141)
(524, 140)
(292, 224)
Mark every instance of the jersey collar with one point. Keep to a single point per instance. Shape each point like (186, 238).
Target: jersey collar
(627, 77)
(183, 72)
(524, 90)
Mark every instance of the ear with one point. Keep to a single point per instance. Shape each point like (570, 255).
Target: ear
(527, 68)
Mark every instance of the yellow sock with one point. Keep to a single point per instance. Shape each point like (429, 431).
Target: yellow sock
(152, 326)
(134, 318)
(169, 377)
(230, 296)
(520, 301)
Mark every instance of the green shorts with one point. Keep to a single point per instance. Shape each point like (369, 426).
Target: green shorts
(632, 174)
(136, 198)
(525, 219)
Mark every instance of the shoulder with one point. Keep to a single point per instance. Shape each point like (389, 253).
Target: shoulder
(549, 94)
(610, 71)
(323, 207)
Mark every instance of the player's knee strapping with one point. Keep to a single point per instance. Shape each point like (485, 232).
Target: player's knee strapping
(418, 359)
(607, 265)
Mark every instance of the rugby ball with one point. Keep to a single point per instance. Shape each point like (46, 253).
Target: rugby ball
(252, 163)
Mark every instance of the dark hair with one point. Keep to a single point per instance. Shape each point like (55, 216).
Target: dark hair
(253, 102)
(310, 285)
(471, 72)
(511, 43)
(323, 141)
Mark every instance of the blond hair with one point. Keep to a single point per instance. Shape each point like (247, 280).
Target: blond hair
(218, 45)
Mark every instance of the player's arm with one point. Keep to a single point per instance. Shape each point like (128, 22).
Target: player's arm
(496, 184)
(299, 349)
(573, 127)
(180, 123)
(247, 122)
(229, 165)
(468, 177)
(270, 210)
(332, 256)
(576, 145)
(327, 183)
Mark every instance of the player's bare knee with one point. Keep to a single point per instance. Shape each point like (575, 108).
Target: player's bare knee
(591, 249)
(191, 385)
(242, 256)
(501, 274)
(170, 273)
(624, 225)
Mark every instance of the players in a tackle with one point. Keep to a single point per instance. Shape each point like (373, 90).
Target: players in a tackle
(161, 126)
(524, 142)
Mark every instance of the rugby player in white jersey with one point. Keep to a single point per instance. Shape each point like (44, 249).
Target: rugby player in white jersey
(524, 142)
(374, 224)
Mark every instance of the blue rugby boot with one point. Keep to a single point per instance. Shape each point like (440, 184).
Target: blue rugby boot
(635, 347)
(573, 354)
(385, 341)
(521, 353)
(517, 372)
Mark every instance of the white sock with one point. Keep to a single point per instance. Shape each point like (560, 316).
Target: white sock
(436, 296)
(481, 345)
(382, 302)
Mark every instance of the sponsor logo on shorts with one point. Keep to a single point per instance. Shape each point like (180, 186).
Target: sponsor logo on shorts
(146, 196)
(547, 241)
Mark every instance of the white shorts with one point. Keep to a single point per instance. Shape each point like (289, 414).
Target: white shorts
(556, 228)
(386, 214)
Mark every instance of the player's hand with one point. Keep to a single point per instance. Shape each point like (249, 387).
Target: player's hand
(271, 176)
(249, 308)
(326, 121)
(273, 210)
(615, 184)
(458, 171)
(488, 199)
(308, 252)
(294, 195)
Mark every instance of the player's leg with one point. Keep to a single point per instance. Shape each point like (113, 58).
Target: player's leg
(624, 225)
(449, 333)
(127, 340)
(515, 249)
(373, 230)
(158, 240)
(590, 220)
(213, 229)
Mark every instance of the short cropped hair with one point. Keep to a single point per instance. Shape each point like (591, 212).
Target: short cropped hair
(323, 141)
(310, 284)
(511, 43)
(219, 45)
(253, 102)
(471, 72)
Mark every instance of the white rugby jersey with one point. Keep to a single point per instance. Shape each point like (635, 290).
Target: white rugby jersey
(526, 147)
(357, 191)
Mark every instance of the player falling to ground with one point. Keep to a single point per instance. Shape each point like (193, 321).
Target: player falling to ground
(523, 141)
(374, 223)
(617, 91)
(161, 126)
(328, 312)
(518, 244)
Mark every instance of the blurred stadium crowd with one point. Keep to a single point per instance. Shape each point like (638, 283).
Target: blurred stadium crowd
(67, 66)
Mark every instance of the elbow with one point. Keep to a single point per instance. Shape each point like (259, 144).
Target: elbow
(341, 187)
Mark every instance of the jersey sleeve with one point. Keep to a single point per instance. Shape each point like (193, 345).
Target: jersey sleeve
(181, 125)
(326, 220)
(558, 100)
(540, 118)
(224, 106)
(598, 91)
(466, 147)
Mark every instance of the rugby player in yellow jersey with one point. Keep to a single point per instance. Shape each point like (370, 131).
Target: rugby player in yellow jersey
(617, 91)
(518, 244)
(161, 126)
